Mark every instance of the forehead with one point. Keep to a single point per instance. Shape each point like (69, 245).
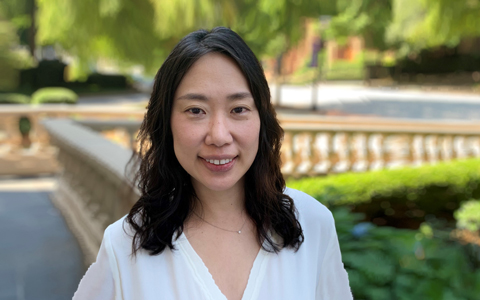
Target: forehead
(213, 73)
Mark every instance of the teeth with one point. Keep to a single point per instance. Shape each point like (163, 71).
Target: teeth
(219, 162)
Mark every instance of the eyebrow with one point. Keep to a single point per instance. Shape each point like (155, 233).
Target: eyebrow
(235, 96)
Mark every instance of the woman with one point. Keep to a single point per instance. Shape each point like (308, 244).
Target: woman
(214, 220)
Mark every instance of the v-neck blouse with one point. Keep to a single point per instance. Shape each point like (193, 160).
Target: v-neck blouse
(314, 272)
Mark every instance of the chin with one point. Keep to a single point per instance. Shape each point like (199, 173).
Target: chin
(219, 185)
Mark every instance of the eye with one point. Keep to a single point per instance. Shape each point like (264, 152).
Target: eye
(195, 111)
(239, 110)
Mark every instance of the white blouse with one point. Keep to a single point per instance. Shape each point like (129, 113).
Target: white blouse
(315, 271)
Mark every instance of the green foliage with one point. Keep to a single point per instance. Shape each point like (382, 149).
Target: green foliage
(468, 216)
(402, 198)
(367, 18)
(8, 74)
(346, 69)
(429, 23)
(54, 95)
(407, 25)
(12, 98)
(339, 70)
(458, 177)
(24, 125)
(144, 31)
(14, 22)
(389, 263)
(18, 12)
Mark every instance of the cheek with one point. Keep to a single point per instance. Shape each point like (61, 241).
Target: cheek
(251, 135)
(186, 138)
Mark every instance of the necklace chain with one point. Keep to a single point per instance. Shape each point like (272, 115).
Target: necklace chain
(237, 231)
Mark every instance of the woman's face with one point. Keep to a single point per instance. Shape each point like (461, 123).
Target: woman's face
(215, 124)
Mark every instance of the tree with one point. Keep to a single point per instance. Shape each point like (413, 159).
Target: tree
(144, 31)
(366, 18)
(429, 23)
(7, 38)
(10, 59)
(22, 15)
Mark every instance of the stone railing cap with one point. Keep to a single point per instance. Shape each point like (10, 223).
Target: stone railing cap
(90, 143)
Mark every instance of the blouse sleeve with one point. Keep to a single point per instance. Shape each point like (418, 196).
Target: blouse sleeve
(98, 282)
(333, 283)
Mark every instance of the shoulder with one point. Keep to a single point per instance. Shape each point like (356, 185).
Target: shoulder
(311, 213)
(119, 235)
(308, 206)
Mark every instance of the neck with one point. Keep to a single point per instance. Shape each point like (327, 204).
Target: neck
(219, 205)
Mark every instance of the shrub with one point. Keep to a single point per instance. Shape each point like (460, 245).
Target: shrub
(401, 197)
(107, 81)
(54, 95)
(14, 99)
(468, 232)
(24, 125)
(389, 263)
(468, 216)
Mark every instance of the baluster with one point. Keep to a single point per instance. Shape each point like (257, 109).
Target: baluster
(397, 146)
(459, 146)
(303, 147)
(475, 146)
(375, 145)
(418, 149)
(322, 149)
(405, 150)
(287, 153)
(359, 146)
(411, 150)
(446, 148)
(341, 148)
(432, 148)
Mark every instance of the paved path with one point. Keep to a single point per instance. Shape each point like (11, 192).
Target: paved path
(118, 99)
(353, 99)
(39, 257)
(384, 102)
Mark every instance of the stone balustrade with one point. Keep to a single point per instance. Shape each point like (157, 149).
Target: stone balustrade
(40, 156)
(92, 187)
(322, 150)
(315, 145)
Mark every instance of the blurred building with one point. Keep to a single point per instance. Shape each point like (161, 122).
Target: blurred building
(302, 55)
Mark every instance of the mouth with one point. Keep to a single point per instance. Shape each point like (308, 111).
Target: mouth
(219, 162)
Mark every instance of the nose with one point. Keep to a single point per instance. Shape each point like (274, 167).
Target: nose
(219, 132)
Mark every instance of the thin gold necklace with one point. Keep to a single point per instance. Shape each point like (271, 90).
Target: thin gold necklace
(237, 231)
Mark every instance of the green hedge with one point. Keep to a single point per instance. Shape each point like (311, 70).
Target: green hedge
(460, 176)
(402, 197)
(54, 95)
(13, 98)
(399, 264)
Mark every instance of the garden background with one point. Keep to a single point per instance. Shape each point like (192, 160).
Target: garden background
(406, 232)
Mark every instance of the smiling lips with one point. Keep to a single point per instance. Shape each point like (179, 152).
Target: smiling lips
(219, 164)
(219, 161)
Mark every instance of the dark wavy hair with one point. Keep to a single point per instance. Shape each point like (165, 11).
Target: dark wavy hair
(167, 194)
